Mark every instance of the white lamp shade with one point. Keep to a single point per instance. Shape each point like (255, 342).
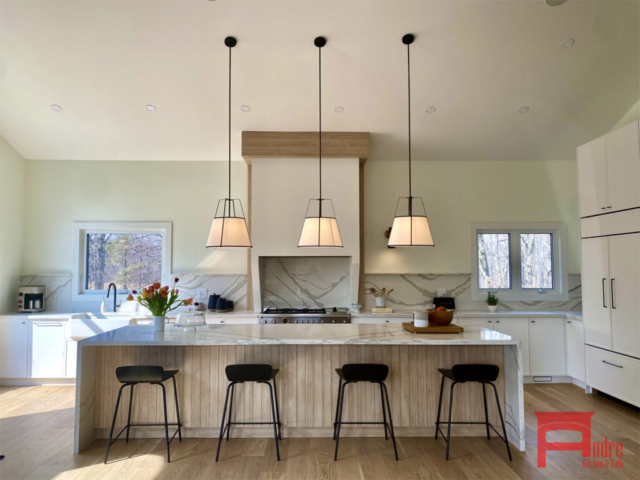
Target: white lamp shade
(227, 232)
(411, 232)
(320, 232)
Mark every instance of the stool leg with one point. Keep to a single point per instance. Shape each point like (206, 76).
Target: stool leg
(275, 421)
(175, 394)
(113, 423)
(393, 435)
(335, 423)
(224, 413)
(504, 430)
(486, 413)
(339, 419)
(439, 407)
(384, 413)
(275, 393)
(233, 389)
(450, 410)
(129, 416)
(166, 420)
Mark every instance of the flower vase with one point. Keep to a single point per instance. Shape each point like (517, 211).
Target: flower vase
(492, 308)
(381, 302)
(158, 323)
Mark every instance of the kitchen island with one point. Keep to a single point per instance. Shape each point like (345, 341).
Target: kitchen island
(307, 356)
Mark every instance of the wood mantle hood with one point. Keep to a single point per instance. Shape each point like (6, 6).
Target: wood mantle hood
(305, 145)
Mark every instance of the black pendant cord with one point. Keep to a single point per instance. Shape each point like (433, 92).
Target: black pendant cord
(409, 110)
(320, 122)
(229, 131)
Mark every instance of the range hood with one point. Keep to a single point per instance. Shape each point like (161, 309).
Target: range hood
(280, 192)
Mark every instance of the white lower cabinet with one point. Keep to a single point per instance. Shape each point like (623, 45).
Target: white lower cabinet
(617, 375)
(547, 346)
(14, 348)
(576, 362)
(71, 358)
(475, 322)
(518, 329)
(48, 349)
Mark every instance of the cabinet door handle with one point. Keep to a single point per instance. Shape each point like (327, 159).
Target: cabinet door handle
(603, 208)
(613, 295)
(48, 324)
(568, 321)
(612, 364)
(604, 302)
(609, 207)
(533, 321)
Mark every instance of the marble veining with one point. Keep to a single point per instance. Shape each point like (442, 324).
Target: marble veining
(328, 334)
(413, 291)
(305, 281)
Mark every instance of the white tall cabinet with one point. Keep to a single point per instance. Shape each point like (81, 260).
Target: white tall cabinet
(609, 184)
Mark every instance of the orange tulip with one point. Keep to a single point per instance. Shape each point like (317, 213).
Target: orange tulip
(156, 285)
(188, 302)
(164, 293)
(130, 298)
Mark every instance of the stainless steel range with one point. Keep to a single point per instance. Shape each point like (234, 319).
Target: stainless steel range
(303, 315)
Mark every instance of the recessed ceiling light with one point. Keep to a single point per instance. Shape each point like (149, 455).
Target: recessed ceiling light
(338, 109)
(431, 110)
(554, 3)
(523, 109)
(57, 108)
(568, 43)
(151, 108)
(245, 108)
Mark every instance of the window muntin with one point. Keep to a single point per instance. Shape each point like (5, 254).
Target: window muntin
(494, 261)
(130, 260)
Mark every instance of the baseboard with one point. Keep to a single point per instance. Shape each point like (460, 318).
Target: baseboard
(579, 383)
(33, 382)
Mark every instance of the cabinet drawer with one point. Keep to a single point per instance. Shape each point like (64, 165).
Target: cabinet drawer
(617, 375)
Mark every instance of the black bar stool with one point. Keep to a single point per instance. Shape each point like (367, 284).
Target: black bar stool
(251, 373)
(363, 372)
(130, 376)
(484, 374)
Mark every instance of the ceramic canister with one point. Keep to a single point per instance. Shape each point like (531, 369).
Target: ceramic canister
(420, 319)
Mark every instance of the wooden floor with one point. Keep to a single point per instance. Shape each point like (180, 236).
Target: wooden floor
(36, 436)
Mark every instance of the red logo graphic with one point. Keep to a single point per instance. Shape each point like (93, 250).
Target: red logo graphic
(551, 421)
(578, 422)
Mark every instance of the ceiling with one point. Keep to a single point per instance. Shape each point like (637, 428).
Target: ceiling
(477, 62)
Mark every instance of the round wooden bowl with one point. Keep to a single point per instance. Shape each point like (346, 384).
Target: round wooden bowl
(440, 319)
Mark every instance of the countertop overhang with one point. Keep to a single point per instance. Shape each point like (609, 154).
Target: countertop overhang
(350, 334)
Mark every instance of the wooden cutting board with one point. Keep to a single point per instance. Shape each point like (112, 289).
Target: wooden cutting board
(432, 329)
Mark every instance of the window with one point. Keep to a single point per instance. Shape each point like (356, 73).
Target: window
(131, 255)
(519, 261)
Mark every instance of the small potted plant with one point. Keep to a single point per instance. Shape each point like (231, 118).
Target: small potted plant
(492, 302)
(380, 295)
(160, 301)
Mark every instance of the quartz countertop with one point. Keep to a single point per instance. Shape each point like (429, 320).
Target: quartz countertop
(348, 334)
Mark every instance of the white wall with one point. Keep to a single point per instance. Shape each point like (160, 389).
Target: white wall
(12, 211)
(184, 193)
(456, 194)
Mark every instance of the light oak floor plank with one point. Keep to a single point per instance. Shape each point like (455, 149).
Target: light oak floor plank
(36, 436)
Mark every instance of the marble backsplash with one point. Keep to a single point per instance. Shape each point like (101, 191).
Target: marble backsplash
(58, 296)
(305, 281)
(413, 291)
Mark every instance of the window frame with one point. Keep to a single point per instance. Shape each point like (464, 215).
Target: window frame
(80, 231)
(560, 290)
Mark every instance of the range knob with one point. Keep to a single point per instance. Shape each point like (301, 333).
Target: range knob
(333, 320)
(344, 321)
(285, 320)
(273, 321)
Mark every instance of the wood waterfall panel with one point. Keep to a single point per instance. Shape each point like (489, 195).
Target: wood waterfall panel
(307, 387)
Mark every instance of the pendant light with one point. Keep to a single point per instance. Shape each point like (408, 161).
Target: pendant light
(320, 228)
(229, 228)
(410, 224)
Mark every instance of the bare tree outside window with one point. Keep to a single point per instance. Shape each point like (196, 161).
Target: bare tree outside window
(494, 263)
(130, 260)
(536, 252)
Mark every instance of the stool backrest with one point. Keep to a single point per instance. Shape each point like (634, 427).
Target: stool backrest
(475, 373)
(365, 372)
(249, 373)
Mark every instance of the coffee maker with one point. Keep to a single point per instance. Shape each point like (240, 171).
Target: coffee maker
(31, 299)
